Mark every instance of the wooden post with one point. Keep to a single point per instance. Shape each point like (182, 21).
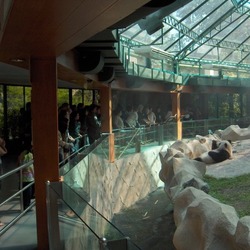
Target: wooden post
(106, 113)
(176, 109)
(43, 75)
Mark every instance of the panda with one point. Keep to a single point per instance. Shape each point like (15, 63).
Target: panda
(222, 153)
(216, 143)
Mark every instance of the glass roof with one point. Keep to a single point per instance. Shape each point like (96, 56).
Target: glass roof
(202, 31)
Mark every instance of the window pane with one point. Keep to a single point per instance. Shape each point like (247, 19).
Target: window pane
(88, 97)
(62, 96)
(15, 101)
(76, 96)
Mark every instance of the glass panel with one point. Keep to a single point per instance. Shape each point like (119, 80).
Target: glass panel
(209, 19)
(102, 150)
(240, 34)
(131, 31)
(127, 141)
(15, 101)
(88, 97)
(75, 169)
(62, 96)
(223, 29)
(212, 55)
(27, 94)
(189, 69)
(77, 96)
(246, 56)
(223, 105)
(80, 225)
(230, 55)
(233, 24)
(187, 9)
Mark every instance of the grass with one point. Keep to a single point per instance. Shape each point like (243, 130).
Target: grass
(232, 191)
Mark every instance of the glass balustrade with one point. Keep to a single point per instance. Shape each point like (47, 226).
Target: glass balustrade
(84, 189)
(80, 225)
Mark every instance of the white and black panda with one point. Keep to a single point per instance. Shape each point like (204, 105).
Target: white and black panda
(222, 153)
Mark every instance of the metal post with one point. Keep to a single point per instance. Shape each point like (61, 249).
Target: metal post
(52, 218)
(103, 243)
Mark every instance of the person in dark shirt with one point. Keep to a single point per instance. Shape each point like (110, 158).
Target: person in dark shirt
(141, 115)
(93, 124)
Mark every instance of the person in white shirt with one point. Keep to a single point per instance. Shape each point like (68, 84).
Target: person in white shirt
(132, 117)
(117, 120)
(150, 117)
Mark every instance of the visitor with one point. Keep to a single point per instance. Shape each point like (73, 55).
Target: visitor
(74, 128)
(93, 124)
(132, 117)
(66, 142)
(117, 120)
(150, 117)
(27, 172)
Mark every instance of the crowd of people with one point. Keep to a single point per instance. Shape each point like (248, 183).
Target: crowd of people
(78, 125)
(134, 117)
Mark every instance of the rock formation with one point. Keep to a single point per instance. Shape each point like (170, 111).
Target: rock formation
(202, 222)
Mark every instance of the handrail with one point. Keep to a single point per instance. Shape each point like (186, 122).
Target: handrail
(19, 192)
(137, 132)
(84, 151)
(16, 170)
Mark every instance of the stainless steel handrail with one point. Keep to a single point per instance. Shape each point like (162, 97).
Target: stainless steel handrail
(19, 192)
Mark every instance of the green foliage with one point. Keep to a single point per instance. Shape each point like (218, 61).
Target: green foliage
(62, 96)
(219, 105)
(232, 191)
(88, 97)
(77, 96)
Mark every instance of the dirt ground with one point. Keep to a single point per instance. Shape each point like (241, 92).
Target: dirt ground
(150, 224)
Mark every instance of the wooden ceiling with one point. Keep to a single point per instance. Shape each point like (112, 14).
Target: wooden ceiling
(45, 28)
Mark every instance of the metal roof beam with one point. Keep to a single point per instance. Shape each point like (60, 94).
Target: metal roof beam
(205, 37)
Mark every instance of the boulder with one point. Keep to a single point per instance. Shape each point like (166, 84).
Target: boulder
(234, 133)
(242, 234)
(179, 172)
(203, 222)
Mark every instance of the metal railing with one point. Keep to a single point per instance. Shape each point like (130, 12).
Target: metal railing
(130, 141)
(12, 201)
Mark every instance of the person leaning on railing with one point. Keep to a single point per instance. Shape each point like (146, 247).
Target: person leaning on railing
(117, 120)
(150, 117)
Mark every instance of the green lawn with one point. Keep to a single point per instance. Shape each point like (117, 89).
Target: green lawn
(232, 191)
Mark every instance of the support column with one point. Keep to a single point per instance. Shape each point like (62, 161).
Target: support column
(106, 112)
(43, 75)
(176, 109)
